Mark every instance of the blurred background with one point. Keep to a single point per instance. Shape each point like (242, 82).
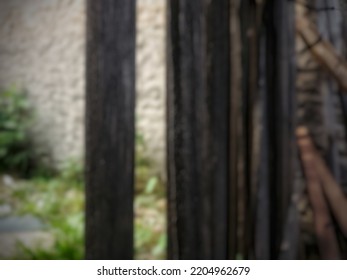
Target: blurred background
(42, 92)
(243, 188)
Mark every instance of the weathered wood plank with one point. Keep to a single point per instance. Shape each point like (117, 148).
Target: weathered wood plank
(262, 243)
(249, 87)
(110, 128)
(236, 120)
(198, 128)
(280, 41)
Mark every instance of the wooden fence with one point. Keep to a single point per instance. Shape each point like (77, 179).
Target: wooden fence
(231, 157)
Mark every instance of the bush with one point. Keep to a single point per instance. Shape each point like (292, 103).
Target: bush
(15, 148)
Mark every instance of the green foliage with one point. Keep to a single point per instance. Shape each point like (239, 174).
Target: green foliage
(151, 185)
(150, 229)
(68, 243)
(42, 197)
(150, 226)
(73, 172)
(58, 200)
(58, 197)
(15, 147)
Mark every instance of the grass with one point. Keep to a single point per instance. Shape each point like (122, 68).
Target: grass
(58, 200)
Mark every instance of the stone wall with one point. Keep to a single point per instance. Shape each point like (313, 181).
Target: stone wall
(42, 51)
(151, 77)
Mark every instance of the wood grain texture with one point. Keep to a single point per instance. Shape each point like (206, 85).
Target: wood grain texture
(236, 120)
(281, 104)
(198, 128)
(110, 122)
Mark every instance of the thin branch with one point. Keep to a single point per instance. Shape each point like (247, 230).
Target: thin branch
(323, 51)
(334, 193)
(312, 8)
(327, 241)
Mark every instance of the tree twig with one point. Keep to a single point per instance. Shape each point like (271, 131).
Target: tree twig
(334, 193)
(326, 236)
(323, 51)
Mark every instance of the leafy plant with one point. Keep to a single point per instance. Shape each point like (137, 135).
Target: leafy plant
(68, 241)
(150, 229)
(42, 197)
(15, 147)
(73, 171)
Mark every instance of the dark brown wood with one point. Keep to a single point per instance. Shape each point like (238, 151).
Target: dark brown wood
(198, 128)
(110, 128)
(323, 51)
(312, 165)
(333, 192)
(251, 26)
(280, 42)
(236, 120)
(249, 88)
(262, 242)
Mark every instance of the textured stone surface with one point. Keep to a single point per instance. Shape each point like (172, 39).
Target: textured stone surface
(16, 231)
(20, 223)
(151, 77)
(42, 50)
(12, 242)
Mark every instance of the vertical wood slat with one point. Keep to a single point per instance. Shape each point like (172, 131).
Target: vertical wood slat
(281, 117)
(198, 127)
(236, 119)
(262, 216)
(251, 26)
(110, 128)
(248, 37)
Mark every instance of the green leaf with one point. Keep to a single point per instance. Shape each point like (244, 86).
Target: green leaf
(151, 184)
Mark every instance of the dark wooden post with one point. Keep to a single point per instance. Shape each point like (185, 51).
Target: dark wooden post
(198, 128)
(110, 128)
(280, 64)
(251, 118)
